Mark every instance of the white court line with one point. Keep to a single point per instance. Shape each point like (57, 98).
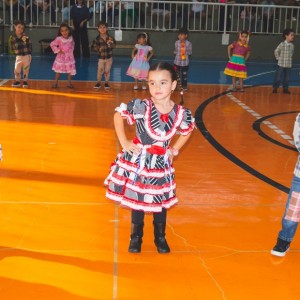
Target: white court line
(258, 116)
(2, 82)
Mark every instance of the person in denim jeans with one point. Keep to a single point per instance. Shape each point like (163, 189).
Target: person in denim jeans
(291, 215)
(284, 54)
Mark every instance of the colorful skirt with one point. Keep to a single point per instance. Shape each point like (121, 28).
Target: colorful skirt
(236, 67)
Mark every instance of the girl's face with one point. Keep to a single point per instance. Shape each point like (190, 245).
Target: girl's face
(64, 31)
(141, 41)
(161, 84)
(19, 29)
(243, 38)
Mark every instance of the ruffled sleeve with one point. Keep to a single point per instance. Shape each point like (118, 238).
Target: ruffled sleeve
(132, 111)
(188, 123)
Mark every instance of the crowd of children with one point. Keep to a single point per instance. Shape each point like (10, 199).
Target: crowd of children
(142, 175)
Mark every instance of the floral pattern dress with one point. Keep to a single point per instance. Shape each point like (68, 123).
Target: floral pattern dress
(64, 62)
(145, 181)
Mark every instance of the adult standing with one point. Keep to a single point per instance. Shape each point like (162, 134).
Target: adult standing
(80, 15)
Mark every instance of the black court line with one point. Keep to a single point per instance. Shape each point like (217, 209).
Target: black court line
(208, 136)
(257, 127)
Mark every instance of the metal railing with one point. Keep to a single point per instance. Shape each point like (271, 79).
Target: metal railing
(159, 15)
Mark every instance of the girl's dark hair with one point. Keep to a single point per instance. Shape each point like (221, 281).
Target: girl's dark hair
(144, 35)
(160, 66)
(286, 32)
(64, 25)
(244, 32)
(19, 22)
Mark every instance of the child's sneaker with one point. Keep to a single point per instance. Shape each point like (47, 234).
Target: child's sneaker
(106, 86)
(281, 248)
(16, 84)
(135, 87)
(25, 84)
(97, 86)
(144, 87)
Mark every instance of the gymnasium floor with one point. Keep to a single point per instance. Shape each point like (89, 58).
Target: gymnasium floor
(62, 239)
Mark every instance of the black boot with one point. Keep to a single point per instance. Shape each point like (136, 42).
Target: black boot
(136, 238)
(160, 240)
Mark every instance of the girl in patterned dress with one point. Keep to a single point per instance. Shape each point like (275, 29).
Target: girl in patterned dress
(141, 54)
(142, 175)
(63, 47)
(238, 54)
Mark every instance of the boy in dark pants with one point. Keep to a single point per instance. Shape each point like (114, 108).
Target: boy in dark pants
(284, 54)
(183, 49)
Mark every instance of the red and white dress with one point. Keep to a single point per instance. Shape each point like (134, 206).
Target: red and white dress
(146, 181)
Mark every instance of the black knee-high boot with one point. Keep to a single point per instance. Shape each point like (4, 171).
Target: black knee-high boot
(160, 240)
(136, 238)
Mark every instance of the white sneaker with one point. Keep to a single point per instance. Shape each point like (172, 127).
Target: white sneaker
(135, 87)
(144, 87)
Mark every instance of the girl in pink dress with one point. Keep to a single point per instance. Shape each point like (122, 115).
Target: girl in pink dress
(141, 54)
(64, 62)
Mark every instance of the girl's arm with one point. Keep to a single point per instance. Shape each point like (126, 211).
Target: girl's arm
(134, 50)
(229, 51)
(247, 55)
(150, 54)
(126, 144)
(181, 141)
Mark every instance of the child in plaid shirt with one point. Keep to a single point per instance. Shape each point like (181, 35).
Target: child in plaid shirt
(183, 49)
(284, 54)
(291, 216)
(104, 44)
(21, 44)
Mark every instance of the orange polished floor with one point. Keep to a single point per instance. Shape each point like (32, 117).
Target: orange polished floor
(62, 239)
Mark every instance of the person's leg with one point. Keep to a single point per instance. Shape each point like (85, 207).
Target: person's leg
(285, 81)
(233, 83)
(70, 85)
(159, 222)
(100, 70)
(277, 78)
(26, 67)
(137, 225)
(76, 37)
(107, 68)
(57, 76)
(17, 71)
(241, 84)
(84, 42)
(290, 219)
(184, 77)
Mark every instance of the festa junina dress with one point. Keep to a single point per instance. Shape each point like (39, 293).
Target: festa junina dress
(139, 67)
(64, 62)
(145, 181)
(236, 66)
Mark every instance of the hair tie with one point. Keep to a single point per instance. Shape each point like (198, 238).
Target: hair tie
(146, 35)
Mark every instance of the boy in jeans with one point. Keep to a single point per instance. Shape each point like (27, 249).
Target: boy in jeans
(291, 215)
(21, 45)
(284, 54)
(103, 44)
